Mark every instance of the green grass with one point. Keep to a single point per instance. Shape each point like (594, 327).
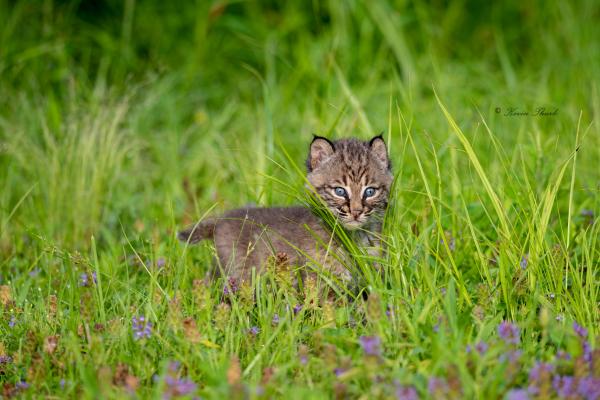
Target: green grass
(121, 123)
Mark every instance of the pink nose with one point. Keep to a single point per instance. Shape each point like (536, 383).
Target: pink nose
(356, 214)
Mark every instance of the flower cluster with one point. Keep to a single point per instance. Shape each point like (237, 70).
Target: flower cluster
(141, 327)
(371, 345)
(84, 279)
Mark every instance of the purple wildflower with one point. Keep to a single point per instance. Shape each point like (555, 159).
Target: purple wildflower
(176, 387)
(482, 347)
(538, 370)
(517, 394)
(389, 311)
(371, 345)
(141, 327)
(589, 388)
(508, 332)
(565, 386)
(587, 352)
(12, 322)
(587, 213)
(512, 356)
(297, 308)
(303, 358)
(5, 360)
(275, 320)
(588, 216)
(160, 262)
(84, 279)
(254, 331)
(437, 387)
(62, 383)
(563, 355)
(22, 385)
(524, 261)
(580, 330)
(34, 273)
(339, 371)
(406, 392)
(230, 287)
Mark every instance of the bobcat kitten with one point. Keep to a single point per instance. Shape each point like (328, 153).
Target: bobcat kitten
(353, 177)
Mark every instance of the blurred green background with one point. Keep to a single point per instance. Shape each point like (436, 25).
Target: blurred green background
(198, 96)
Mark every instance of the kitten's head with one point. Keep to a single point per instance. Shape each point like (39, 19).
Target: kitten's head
(352, 177)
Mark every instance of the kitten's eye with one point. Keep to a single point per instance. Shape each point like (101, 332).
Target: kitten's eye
(340, 191)
(369, 192)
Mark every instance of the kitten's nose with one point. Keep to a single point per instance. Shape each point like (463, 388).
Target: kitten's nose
(356, 213)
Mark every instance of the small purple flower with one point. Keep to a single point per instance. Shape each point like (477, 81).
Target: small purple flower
(580, 330)
(389, 312)
(84, 279)
(589, 388)
(254, 331)
(303, 358)
(563, 355)
(559, 318)
(5, 360)
(509, 332)
(231, 287)
(587, 213)
(62, 383)
(517, 394)
(275, 320)
(339, 371)
(12, 322)
(406, 392)
(482, 347)
(297, 308)
(34, 273)
(160, 262)
(22, 385)
(141, 327)
(565, 386)
(176, 387)
(588, 216)
(437, 387)
(512, 356)
(371, 345)
(443, 291)
(587, 353)
(539, 369)
(524, 261)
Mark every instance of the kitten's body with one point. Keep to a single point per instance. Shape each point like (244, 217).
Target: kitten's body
(246, 238)
(351, 176)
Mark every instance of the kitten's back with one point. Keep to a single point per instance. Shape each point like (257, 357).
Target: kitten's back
(247, 237)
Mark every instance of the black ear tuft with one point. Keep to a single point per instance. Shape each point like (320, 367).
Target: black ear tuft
(320, 149)
(379, 150)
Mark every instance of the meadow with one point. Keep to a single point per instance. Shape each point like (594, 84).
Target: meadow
(123, 121)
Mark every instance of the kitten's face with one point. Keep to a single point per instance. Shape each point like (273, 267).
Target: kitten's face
(353, 178)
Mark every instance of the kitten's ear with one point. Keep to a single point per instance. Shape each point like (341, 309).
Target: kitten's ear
(320, 149)
(379, 150)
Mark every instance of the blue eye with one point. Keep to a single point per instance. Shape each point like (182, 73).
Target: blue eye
(369, 192)
(340, 191)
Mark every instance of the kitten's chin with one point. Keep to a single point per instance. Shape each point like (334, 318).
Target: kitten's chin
(352, 225)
